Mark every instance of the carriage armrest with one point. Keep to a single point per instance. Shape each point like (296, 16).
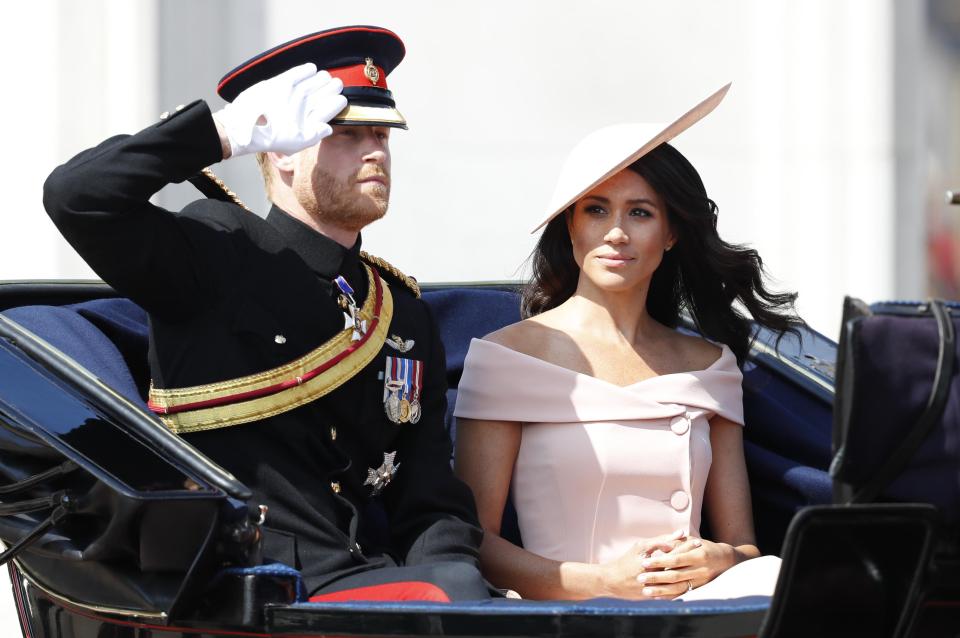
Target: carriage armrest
(503, 617)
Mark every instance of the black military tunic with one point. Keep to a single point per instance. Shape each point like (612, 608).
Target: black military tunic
(230, 294)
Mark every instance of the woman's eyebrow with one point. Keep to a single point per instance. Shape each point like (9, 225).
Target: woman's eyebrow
(643, 200)
(632, 202)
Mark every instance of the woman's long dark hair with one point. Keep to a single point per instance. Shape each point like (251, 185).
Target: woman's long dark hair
(701, 274)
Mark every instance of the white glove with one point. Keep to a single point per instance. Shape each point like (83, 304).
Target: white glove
(286, 113)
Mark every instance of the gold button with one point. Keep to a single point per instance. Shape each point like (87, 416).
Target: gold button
(335, 486)
(165, 115)
(333, 433)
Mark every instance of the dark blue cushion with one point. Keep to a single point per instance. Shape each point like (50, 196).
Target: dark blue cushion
(891, 360)
(126, 325)
(67, 330)
(787, 449)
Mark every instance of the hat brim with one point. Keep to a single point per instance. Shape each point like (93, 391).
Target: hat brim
(368, 115)
(593, 161)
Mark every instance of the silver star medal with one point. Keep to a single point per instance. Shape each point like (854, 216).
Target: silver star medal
(379, 478)
(351, 315)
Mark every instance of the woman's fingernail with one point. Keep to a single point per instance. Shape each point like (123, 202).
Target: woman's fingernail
(648, 591)
(641, 578)
(646, 563)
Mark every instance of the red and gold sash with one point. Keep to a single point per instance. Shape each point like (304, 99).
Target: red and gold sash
(265, 394)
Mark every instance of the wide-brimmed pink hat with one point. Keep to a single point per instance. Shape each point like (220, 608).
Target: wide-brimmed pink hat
(609, 150)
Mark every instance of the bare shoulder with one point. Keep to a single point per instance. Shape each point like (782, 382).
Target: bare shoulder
(696, 353)
(529, 336)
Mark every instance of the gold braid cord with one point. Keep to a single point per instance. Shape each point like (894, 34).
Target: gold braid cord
(226, 189)
(377, 262)
(388, 268)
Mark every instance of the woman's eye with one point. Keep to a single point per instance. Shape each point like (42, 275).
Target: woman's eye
(594, 210)
(641, 212)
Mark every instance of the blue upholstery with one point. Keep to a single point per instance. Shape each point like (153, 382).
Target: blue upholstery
(126, 325)
(66, 329)
(787, 448)
(595, 606)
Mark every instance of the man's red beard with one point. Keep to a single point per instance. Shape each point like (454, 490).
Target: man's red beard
(343, 205)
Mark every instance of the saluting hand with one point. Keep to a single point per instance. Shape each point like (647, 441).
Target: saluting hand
(286, 113)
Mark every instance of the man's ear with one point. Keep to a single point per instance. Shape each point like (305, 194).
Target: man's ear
(282, 162)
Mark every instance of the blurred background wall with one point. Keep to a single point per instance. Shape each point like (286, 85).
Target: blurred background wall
(830, 154)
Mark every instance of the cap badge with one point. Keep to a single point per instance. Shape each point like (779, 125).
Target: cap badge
(372, 73)
(379, 478)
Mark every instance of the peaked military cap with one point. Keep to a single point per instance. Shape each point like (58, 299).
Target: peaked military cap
(361, 56)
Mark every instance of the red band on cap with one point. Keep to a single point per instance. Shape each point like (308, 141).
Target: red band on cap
(356, 75)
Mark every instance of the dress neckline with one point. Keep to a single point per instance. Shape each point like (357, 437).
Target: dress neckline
(724, 352)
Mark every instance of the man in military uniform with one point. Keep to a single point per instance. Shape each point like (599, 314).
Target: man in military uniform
(310, 370)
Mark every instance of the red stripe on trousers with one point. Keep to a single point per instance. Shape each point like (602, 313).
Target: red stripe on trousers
(403, 590)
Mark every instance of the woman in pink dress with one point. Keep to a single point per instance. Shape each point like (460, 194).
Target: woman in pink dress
(612, 427)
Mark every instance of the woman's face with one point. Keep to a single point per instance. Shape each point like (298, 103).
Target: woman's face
(619, 232)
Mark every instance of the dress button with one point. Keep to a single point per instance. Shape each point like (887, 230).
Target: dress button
(165, 115)
(680, 425)
(679, 500)
(335, 486)
(280, 339)
(333, 433)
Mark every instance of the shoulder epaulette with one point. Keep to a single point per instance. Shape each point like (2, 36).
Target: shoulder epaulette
(386, 268)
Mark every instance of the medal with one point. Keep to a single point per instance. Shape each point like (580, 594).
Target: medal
(402, 382)
(379, 478)
(415, 386)
(391, 400)
(351, 314)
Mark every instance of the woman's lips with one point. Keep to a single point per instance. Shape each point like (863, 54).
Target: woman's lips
(614, 261)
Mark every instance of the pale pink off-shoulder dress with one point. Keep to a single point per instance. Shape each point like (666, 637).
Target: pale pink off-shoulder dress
(601, 466)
